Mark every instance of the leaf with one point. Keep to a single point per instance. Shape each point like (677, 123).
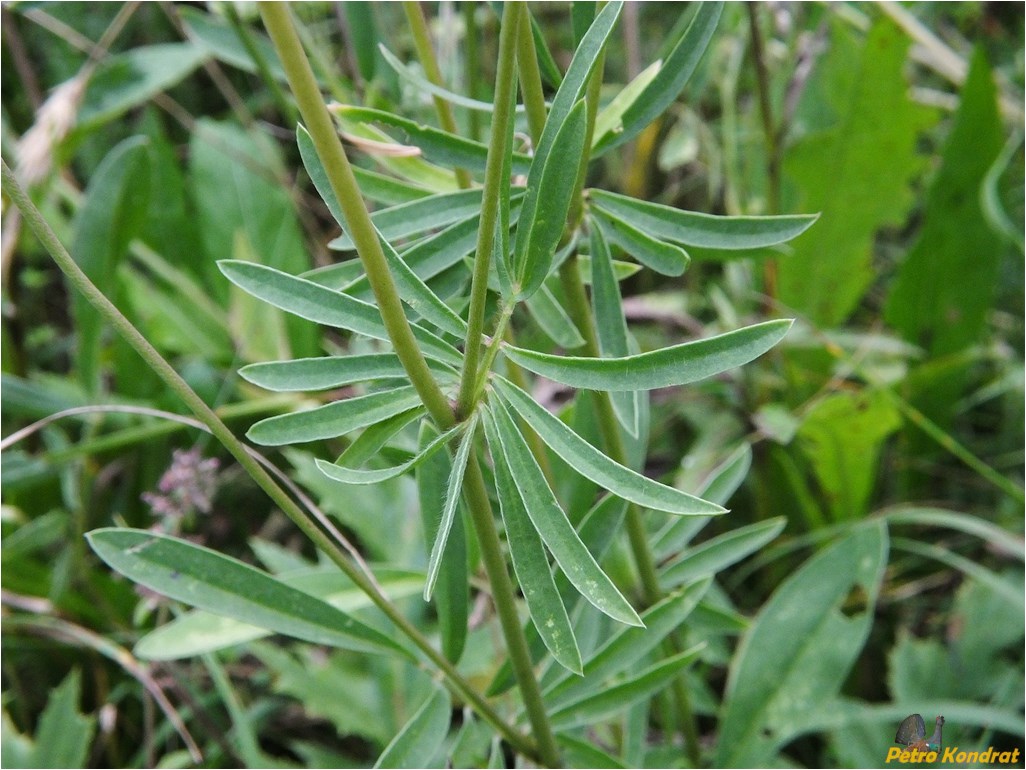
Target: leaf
(799, 649)
(110, 216)
(628, 646)
(972, 525)
(592, 464)
(549, 69)
(451, 506)
(692, 228)
(582, 753)
(553, 320)
(350, 475)
(541, 226)
(668, 83)
(422, 736)
(220, 40)
(436, 145)
(531, 564)
(555, 529)
(197, 631)
(63, 735)
(864, 158)
(313, 302)
(451, 594)
(611, 327)
(610, 117)
(369, 443)
(663, 257)
(613, 699)
(310, 374)
(211, 581)
(720, 552)
(333, 420)
(667, 367)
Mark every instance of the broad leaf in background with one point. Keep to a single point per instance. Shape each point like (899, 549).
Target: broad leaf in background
(841, 437)
(947, 283)
(63, 735)
(800, 647)
(218, 38)
(857, 174)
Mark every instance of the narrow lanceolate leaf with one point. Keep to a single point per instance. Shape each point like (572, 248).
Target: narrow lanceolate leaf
(211, 581)
(309, 374)
(612, 700)
(549, 189)
(419, 216)
(663, 257)
(531, 564)
(553, 319)
(719, 553)
(316, 303)
(664, 368)
(333, 420)
(371, 440)
(611, 326)
(692, 228)
(630, 645)
(592, 464)
(667, 84)
(451, 507)
(350, 475)
(610, 117)
(555, 529)
(421, 737)
(452, 595)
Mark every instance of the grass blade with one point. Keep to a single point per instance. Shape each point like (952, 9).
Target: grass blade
(664, 368)
(531, 564)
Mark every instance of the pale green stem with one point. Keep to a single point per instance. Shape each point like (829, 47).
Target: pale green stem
(237, 449)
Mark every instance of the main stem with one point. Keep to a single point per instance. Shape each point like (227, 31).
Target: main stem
(332, 155)
(237, 449)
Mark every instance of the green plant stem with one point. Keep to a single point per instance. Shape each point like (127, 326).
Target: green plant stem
(471, 72)
(347, 192)
(426, 54)
(237, 449)
(285, 107)
(530, 79)
(493, 182)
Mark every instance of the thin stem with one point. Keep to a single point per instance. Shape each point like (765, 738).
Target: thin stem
(237, 449)
(347, 192)
(242, 32)
(504, 86)
(530, 79)
(471, 71)
(426, 54)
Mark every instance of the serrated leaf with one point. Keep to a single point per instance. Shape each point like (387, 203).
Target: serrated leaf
(661, 256)
(334, 419)
(542, 224)
(668, 83)
(612, 700)
(693, 228)
(664, 368)
(555, 529)
(451, 507)
(316, 303)
(531, 563)
(592, 464)
(211, 581)
(720, 552)
(422, 736)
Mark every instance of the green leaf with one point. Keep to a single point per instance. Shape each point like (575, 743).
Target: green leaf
(542, 225)
(437, 145)
(310, 374)
(110, 216)
(316, 303)
(333, 420)
(362, 34)
(531, 563)
(614, 699)
(663, 257)
(451, 507)
(668, 83)
(592, 464)
(610, 117)
(63, 735)
(422, 736)
(692, 228)
(350, 475)
(451, 595)
(546, 63)
(628, 646)
(797, 653)
(221, 41)
(197, 632)
(582, 753)
(667, 367)
(868, 156)
(211, 581)
(553, 320)
(720, 552)
(1000, 538)
(555, 529)
(369, 443)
